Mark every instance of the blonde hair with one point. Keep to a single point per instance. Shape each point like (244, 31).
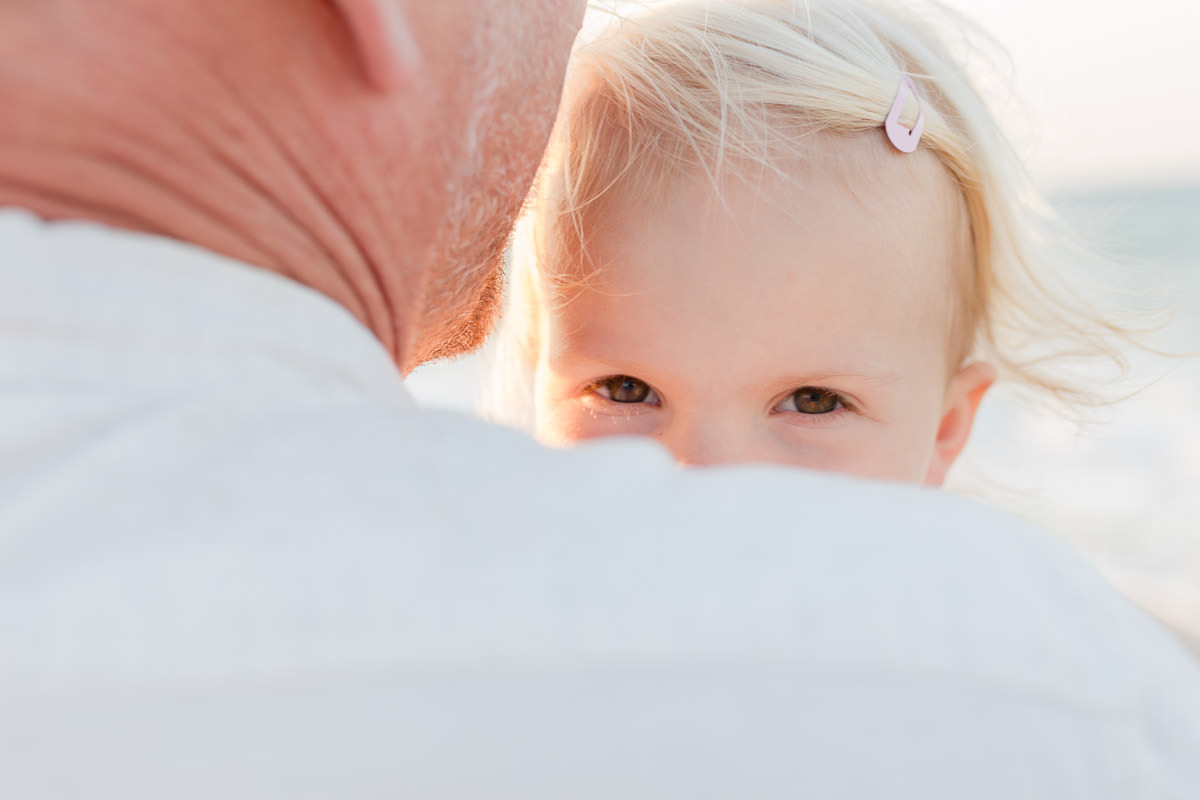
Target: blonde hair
(702, 85)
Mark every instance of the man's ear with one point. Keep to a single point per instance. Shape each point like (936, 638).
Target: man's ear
(963, 394)
(383, 41)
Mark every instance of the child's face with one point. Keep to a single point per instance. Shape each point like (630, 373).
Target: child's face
(804, 324)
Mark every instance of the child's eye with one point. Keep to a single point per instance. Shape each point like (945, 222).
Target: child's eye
(624, 389)
(812, 400)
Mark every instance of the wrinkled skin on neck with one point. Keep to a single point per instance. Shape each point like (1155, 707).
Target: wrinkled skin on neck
(249, 128)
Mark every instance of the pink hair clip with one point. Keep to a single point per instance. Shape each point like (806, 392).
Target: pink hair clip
(902, 138)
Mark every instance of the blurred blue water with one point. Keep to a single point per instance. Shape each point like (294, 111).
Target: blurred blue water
(1156, 223)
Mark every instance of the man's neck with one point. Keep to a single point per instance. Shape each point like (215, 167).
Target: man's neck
(102, 127)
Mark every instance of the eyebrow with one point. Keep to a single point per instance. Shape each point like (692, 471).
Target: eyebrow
(637, 370)
(879, 377)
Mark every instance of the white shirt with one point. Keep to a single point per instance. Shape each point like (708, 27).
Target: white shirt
(236, 561)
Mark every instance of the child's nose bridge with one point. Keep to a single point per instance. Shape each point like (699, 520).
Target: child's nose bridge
(710, 436)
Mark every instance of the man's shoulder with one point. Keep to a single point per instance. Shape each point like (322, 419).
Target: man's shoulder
(599, 600)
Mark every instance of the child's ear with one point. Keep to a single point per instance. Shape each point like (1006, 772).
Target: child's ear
(963, 394)
(383, 41)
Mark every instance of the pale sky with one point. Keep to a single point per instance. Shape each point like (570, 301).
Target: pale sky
(1103, 92)
(1112, 89)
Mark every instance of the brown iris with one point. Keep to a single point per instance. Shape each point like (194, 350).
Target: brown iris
(811, 400)
(625, 389)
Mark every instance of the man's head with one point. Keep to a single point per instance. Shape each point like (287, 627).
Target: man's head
(375, 150)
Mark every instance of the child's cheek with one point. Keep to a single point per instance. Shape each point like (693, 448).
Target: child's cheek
(577, 421)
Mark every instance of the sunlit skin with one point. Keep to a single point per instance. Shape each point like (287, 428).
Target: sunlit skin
(802, 321)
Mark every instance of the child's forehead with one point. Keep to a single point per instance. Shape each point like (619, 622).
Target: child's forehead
(911, 186)
(841, 219)
(851, 185)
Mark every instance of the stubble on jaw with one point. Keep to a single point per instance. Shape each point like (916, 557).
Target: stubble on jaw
(468, 332)
(492, 165)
